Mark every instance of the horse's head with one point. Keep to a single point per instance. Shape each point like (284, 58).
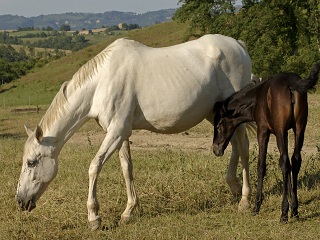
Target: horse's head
(223, 128)
(39, 167)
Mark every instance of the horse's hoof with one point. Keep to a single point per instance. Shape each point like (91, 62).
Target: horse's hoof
(243, 205)
(95, 224)
(124, 220)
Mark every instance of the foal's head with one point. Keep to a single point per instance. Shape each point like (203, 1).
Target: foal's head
(229, 114)
(38, 169)
(224, 127)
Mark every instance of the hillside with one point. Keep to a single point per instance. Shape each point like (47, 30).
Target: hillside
(40, 86)
(78, 21)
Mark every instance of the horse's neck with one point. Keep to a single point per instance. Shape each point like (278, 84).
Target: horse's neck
(61, 122)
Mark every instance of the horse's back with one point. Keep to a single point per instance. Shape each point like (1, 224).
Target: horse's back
(173, 88)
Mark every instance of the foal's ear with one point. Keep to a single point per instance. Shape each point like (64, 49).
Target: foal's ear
(217, 106)
(28, 130)
(39, 134)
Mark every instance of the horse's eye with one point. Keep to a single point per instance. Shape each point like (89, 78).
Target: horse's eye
(32, 163)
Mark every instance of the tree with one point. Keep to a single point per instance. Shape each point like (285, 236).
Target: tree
(281, 35)
(65, 27)
(201, 14)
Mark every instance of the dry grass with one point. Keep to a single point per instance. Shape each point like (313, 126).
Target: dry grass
(181, 186)
(182, 192)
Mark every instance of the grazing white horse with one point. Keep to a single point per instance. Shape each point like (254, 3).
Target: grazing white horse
(131, 86)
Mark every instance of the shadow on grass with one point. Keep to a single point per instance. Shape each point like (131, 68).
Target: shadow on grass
(8, 89)
(308, 181)
(309, 216)
(10, 136)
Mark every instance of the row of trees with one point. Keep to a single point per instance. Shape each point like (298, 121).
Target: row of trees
(53, 40)
(281, 35)
(6, 39)
(63, 41)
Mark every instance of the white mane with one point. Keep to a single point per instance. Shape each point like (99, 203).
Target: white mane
(60, 104)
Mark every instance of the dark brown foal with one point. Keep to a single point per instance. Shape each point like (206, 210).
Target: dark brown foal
(276, 105)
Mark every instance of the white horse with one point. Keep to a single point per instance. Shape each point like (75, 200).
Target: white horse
(131, 86)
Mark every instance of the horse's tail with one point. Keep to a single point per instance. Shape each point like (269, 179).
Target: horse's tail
(304, 85)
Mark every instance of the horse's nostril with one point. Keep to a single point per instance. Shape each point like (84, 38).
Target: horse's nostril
(20, 203)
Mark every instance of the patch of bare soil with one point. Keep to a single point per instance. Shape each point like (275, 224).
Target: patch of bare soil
(142, 139)
(187, 141)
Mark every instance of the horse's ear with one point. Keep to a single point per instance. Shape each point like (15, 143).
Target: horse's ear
(28, 130)
(39, 134)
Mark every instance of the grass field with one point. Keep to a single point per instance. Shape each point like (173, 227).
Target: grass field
(180, 183)
(182, 190)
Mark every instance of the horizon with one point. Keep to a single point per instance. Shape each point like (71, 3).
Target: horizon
(35, 8)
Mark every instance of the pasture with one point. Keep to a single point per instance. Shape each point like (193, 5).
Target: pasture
(180, 184)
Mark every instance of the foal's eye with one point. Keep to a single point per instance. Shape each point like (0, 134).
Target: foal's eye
(32, 163)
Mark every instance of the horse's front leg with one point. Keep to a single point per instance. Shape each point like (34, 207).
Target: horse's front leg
(263, 139)
(109, 145)
(240, 147)
(126, 165)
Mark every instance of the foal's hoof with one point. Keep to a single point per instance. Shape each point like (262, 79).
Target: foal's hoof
(284, 219)
(95, 224)
(254, 213)
(295, 215)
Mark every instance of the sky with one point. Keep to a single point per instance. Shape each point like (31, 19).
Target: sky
(33, 8)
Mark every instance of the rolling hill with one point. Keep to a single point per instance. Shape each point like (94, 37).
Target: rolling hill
(78, 21)
(40, 86)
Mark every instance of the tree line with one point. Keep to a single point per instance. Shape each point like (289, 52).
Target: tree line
(281, 35)
(53, 40)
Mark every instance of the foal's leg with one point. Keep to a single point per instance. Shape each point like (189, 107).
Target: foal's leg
(240, 147)
(296, 164)
(111, 143)
(263, 139)
(126, 164)
(284, 162)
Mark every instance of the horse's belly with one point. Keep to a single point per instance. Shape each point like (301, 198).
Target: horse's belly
(173, 117)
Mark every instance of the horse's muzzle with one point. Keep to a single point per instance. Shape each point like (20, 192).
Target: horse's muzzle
(26, 206)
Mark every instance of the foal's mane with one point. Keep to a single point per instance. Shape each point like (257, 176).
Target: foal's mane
(60, 103)
(241, 98)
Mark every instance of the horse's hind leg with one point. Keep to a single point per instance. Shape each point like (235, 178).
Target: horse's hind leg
(240, 147)
(282, 142)
(296, 164)
(126, 165)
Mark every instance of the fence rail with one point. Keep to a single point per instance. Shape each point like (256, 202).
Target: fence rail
(16, 101)
(28, 109)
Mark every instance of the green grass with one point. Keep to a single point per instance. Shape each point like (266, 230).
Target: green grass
(40, 86)
(182, 193)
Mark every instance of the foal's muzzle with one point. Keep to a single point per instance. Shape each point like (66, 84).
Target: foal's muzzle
(217, 150)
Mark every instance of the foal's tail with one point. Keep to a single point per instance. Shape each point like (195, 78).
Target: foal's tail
(304, 85)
